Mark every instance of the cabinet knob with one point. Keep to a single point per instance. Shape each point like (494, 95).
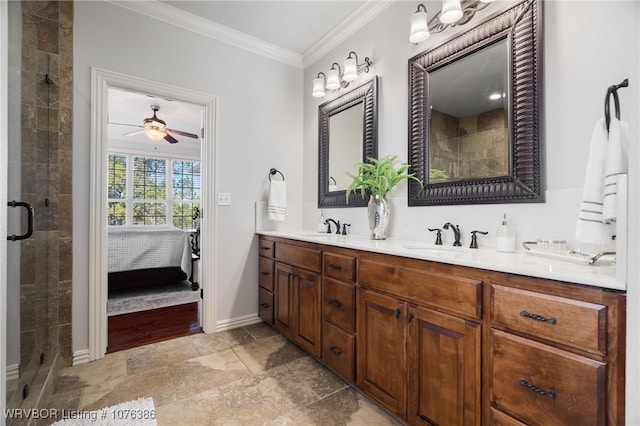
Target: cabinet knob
(335, 266)
(396, 313)
(264, 305)
(410, 317)
(335, 350)
(538, 317)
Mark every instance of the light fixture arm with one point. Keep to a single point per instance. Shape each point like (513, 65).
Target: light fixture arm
(362, 67)
(421, 6)
(343, 83)
(324, 76)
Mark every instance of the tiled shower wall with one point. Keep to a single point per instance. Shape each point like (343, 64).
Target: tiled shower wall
(470, 147)
(47, 101)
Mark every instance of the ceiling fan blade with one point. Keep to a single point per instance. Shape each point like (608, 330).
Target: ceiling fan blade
(134, 133)
(181, 133)
(170, 138)
(125, 124)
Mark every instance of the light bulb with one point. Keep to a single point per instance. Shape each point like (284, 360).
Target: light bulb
(333, 79)
(318, 87)
(419, 27)
(451, 11)
(350, 69)
(154, 134)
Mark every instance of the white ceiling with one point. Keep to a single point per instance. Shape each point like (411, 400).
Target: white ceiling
(293, 25)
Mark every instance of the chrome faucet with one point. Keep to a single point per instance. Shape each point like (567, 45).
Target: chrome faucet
(329, 221)
(456, 232)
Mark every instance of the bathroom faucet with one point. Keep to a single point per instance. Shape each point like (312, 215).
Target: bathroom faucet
(456, 232)
(329, 221)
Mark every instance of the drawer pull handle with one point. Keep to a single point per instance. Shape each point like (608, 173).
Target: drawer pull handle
(335, 303)
(265, 273)
(335, 350)
(265, 248)
(335, 266)
(264, 305)
(534, 388)
(396, 313)
(538, 317)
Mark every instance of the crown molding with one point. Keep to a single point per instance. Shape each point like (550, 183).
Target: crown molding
(188, 21)
(361, 16)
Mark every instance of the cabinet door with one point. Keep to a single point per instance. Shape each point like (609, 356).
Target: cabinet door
(381, 371)
(307, 323)
(283, 295)
(444, 369)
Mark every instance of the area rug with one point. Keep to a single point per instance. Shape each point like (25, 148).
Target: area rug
(150, 297)
(140, 412)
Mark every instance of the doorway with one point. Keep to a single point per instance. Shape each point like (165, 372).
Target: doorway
(108, 88)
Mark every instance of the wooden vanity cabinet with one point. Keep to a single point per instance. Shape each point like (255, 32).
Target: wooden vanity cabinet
(297, 295)
(420, 363)
(339, 313)
(442, 344)
(265, 280)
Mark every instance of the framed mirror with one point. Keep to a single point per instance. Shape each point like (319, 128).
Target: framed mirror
(474, 113)
(347, 134)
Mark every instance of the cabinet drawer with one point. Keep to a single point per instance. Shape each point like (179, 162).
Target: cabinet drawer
(266, 248)
(338, 351)
(570, 322)
(265, 273)
(539, 384)
(338, 266)
(302, 257)
(427, 288)
(265, 305)
(498, 418)
(339, 300)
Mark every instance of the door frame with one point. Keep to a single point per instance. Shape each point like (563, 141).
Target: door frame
(4, 166)
(101, 81)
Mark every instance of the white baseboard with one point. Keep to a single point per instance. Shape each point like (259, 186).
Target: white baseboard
(13, 371)
(80, 357)
(237, 322)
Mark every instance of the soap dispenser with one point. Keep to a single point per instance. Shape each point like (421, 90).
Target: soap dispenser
(322, 227)
(505, 237)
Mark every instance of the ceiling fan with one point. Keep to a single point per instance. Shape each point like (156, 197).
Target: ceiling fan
(157, 129)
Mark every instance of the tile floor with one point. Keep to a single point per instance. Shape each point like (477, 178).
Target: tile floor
(246, 376)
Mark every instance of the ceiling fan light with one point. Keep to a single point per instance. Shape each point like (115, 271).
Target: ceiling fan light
(154, 134)
(419, 27)
(451, 11)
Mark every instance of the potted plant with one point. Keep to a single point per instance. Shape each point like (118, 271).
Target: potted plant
(377, 177)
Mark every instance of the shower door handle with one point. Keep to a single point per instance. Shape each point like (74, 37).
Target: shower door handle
(29, 220)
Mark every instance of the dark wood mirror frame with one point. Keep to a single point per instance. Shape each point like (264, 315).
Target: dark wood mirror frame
(521, 26)
(367, 94)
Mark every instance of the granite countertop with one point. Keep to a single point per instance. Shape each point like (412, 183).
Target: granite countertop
(600, 274)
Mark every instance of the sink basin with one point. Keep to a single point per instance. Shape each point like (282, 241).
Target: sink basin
(433, 249)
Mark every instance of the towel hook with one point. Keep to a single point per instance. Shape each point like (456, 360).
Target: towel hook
(273, 171)
(613, 90)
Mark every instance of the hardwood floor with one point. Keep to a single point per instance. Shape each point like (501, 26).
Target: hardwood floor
(140, 328)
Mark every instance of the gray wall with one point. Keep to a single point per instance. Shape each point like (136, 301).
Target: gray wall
(259, 126)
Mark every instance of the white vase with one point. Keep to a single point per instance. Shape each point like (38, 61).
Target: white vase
(378, 210)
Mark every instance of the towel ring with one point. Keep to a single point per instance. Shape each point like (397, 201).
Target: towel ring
(273, 171)
(613, 90)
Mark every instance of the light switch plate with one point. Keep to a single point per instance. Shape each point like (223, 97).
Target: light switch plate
(224, 198)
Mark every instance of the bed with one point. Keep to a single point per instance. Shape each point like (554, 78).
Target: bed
(147, 256)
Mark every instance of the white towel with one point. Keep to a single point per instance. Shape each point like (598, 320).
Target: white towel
(277, 203)
(616, 167)
(591, 227)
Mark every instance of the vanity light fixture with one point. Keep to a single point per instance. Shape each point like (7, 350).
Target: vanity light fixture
(336, 78)
(454, 12)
